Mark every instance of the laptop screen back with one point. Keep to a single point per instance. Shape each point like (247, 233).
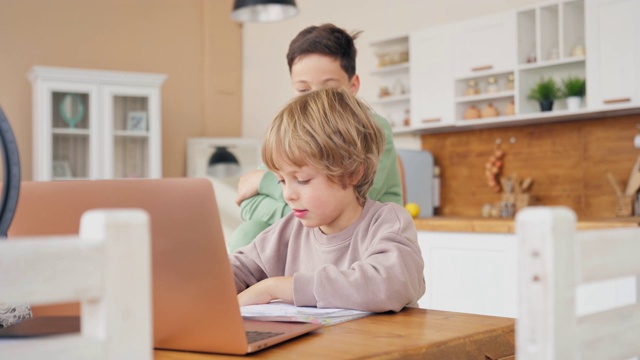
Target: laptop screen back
(194, 299)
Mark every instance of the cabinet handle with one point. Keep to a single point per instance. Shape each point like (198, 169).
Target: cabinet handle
(430, 120)
(482, 68)
(615, 101)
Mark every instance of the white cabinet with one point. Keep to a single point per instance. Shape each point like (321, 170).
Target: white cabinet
(614, 53)
(478, 273)
(431, 73)
(551, 42)
(510, 53)
(94, 124)
(393, 72)
(484, 44)
(470, 272)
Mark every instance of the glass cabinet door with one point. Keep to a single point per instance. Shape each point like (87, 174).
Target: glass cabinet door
(70, 131)
(131, 127)
(96, 124)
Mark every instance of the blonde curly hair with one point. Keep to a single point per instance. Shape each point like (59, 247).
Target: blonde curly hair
(330, 130)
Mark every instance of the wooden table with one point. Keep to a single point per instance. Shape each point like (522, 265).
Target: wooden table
(409, 334)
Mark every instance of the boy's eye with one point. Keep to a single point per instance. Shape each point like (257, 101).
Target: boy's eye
(281, 181)
(302, 91)
(303, 182)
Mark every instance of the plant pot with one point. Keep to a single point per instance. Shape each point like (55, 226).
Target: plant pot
(574, 103)
(546, 105)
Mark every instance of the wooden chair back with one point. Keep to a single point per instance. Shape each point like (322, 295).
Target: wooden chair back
(107, 267)
(554, 258)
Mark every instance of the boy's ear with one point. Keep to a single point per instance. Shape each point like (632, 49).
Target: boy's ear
(354, 84)
(355, 178)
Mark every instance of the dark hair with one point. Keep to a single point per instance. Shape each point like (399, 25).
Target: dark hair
(326, 39)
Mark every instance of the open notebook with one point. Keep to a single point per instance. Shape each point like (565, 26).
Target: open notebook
(195, 306)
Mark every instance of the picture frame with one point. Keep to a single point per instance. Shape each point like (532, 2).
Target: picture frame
(137, 121)
(61, 170)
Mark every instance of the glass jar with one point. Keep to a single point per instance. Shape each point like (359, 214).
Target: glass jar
(492, 85)
(472, 88)
(510, 82)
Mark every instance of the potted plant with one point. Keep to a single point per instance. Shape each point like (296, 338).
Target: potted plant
(574, 88)
(545, 92)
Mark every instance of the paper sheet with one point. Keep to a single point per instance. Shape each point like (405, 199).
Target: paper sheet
(278, 311)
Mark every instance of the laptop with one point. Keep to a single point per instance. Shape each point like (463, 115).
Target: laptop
(195, 305)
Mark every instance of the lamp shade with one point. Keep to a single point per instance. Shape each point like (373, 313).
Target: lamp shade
(223, 164)
(263, 10)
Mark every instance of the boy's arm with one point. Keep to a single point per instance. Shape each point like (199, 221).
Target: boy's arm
(389, 276)
(387, 186)
(268, 205)
(274, 288)
(263, 258)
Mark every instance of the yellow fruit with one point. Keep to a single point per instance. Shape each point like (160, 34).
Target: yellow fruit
(413, 209)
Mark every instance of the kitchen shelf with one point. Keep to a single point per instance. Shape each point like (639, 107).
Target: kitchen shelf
(484, 97)
(392, 99)
(543, 64)
(390, 69)
(69, 131)
(393, 75)
(484, 74)
(127, 133)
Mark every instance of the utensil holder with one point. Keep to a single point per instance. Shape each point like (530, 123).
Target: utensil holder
(624, 205)
(522, 200)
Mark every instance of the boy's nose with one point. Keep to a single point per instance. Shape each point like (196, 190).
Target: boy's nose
(289, 193)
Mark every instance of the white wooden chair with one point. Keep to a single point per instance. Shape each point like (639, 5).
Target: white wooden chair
(107, 268)
(554, 259)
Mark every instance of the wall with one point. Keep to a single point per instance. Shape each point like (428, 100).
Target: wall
(266, 76)
(567, 161)
(194, 42)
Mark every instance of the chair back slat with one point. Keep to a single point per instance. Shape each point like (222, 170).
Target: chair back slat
(58, 270)
(606, 254)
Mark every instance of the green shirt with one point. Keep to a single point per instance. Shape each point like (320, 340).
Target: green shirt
(269, 204)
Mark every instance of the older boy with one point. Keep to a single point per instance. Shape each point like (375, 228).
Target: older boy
(318, 57)
(337, 248)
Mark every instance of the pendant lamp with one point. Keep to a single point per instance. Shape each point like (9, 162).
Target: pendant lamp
(263, 10)
(223, 164)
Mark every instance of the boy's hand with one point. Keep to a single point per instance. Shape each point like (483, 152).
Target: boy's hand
(275, 288)
(248, 185)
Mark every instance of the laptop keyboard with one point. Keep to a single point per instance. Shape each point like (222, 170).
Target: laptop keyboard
(253, 336)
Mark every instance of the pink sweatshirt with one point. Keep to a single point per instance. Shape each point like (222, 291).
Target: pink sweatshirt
(373, 265)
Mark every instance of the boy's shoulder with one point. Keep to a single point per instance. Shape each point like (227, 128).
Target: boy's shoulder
(381, 121)
(386, 209)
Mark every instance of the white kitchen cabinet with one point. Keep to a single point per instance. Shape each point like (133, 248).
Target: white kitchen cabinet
(551, 40)
(470, 272)
(478, 273)
(484, 44)
(393, 73)
(613, 68)
(94, 124)
(431, 72)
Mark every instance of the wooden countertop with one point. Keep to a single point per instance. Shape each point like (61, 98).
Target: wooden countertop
(507, 225)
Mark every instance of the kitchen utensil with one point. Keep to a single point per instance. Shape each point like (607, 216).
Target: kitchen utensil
(526, 183)
(634, 179)
(624, 206)
(614, 184)
(517, 188)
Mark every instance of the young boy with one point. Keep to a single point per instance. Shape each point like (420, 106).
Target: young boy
(337, 248)
(318, 57)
